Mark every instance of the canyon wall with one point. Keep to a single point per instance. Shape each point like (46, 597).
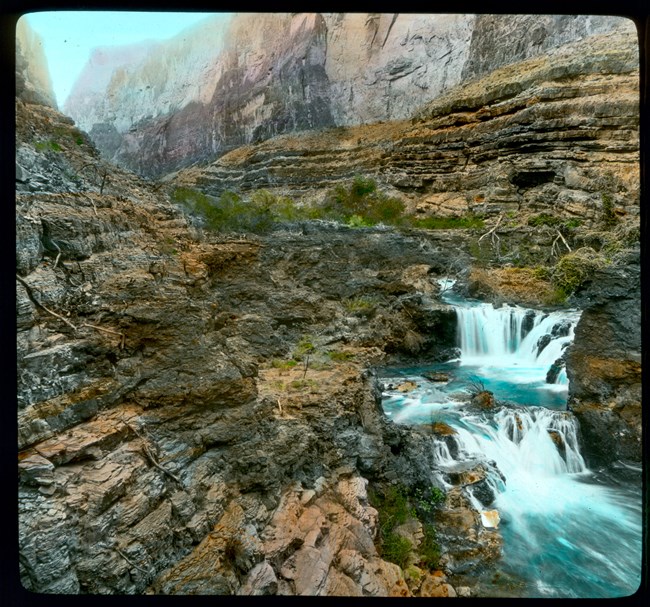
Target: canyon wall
(33, 82)
(224, 84)
(558, 132)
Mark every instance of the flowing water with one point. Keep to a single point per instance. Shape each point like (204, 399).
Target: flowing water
(567, 530)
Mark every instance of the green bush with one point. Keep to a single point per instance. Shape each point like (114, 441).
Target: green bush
(429, 548)
(44, 146)
(396, 549)
(339, 356)
(609, 217)
(278, 363)
(575, 268)
(361, 204)
(544, 219)
(429, 499)
(362, 306)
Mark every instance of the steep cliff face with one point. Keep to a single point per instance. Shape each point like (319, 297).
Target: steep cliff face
(558, 132)
(224, 85)
(33, 83)
(604, 364)
(161, 447)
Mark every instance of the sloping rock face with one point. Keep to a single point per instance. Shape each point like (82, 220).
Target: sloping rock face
(228, 83)
(160, 449)
(604, 364)
(558, 133)
(33, 83)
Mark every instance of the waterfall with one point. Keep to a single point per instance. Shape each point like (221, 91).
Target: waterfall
(567, 531)
(511, 336)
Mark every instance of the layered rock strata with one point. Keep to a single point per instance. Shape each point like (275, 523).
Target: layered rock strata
(557, 133)
(226, 83)
(604, 364)
(160, 450)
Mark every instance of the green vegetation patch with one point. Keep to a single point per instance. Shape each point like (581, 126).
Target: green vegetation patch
(395, 505)
(574, 269)
(468, 221)
(48, 145)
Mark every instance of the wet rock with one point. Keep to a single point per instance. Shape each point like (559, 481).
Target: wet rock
(554, 370)
(527, 323)
(483, 400)
(542, 342)
(407, 386)
(490, 518)
(436, 376)
(604, 364)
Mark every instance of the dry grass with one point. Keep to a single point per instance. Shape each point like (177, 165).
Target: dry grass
(516, 285)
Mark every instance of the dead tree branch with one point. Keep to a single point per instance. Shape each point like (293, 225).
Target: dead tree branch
(494, 237)
(555, 248)
(130, 562)
(58, 248)
(37, 303)
(121, 335)
(150, 456)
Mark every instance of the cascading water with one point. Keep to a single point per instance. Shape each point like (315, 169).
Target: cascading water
(565, 531)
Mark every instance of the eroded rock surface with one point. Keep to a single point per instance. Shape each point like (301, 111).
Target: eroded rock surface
(555, 133)
(223, 84)
(604, 364)
(161, 448)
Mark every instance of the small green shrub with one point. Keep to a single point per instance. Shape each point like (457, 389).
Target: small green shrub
(429, 548)
(339, 356)
(544, 219)
(300, 384)
(609, 217)
(575, 268)
(278, 363)
(304, 347)
(363, 306)
(357, 221)
(44, 146)
(572, 224)
(361, 204)
(396, 549)
(427, 500)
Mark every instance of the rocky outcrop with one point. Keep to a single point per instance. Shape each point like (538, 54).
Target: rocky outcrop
(224, 84)
(557, 133)
(33, 83)
(164, 444)
(604, 364)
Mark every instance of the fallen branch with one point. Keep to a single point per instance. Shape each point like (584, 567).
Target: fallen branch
(37, 303)
(30, 294)
(92, 202)
(130, 562)
(150, 456)
(280, 406)
(58, 248)
(121, 335)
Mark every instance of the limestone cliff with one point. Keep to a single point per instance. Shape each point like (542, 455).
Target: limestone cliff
(557, 132)
(217, 87)
(33, 83)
